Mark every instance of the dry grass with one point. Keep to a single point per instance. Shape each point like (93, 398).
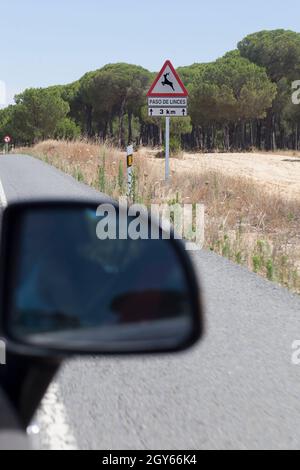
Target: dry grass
(80, 159)
(243, 222)
(248, 225)
(287, 153)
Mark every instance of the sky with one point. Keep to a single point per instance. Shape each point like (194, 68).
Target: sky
(56, 42)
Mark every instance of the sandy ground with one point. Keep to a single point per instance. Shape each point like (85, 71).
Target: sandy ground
(279, 173)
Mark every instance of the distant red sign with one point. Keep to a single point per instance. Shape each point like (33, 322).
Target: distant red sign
(7, 139)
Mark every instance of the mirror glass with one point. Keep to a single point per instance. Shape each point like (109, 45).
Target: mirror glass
(73, 291)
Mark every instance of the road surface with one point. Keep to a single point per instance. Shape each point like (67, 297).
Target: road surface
(236, 389)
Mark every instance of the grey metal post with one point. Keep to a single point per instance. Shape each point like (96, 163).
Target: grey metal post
(167, 162)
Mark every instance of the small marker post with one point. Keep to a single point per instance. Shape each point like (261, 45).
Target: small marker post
(129, 168)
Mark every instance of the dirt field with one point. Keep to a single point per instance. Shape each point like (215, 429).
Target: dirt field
(279, 173)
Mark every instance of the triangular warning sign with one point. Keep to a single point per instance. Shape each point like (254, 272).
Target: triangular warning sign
(167, 83)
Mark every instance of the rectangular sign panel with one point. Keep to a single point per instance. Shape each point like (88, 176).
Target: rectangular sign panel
(167, 102)
(161, 112)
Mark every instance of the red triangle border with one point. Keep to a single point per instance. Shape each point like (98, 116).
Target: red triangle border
(169, 95)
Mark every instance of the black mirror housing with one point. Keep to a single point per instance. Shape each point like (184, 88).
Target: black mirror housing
(66, 292)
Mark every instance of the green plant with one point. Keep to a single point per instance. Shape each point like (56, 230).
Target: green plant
(174, 200)
(101, 179)
(174, 145)
(257, 263)
(121, 178)
(226, 247)
(78, 175)
(270, 269)
(101, 174)
(238, 257)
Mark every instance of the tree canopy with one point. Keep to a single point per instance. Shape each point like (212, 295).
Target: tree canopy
(239, 101)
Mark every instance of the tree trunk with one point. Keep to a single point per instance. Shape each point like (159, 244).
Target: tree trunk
(226, 137)
(121, 138)
(89, 120)
(274, 145)
(251, 135)
(129, 128)
(104, 133)
(269, 131)
(160, 134)
(258, 135)
(111, 129)
(213, 137)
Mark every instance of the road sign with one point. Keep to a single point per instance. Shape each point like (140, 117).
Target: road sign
(167, 98)
(7, 139)
(172, 112)
(167, 83)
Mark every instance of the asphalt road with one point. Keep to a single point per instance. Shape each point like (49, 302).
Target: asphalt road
(236, 389)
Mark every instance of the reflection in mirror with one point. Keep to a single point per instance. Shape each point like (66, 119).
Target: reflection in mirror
(74, 291)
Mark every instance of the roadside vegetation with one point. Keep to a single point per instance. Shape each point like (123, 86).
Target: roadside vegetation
(244, 222)
(241, 101)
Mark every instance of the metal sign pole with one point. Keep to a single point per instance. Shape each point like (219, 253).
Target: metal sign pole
(167, 160)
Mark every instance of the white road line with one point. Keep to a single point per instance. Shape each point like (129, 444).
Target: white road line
(3, 200)
(52, 419)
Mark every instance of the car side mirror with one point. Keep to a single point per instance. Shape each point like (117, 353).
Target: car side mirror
(65, 291)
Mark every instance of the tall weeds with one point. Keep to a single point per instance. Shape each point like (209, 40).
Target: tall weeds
(245, 223)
